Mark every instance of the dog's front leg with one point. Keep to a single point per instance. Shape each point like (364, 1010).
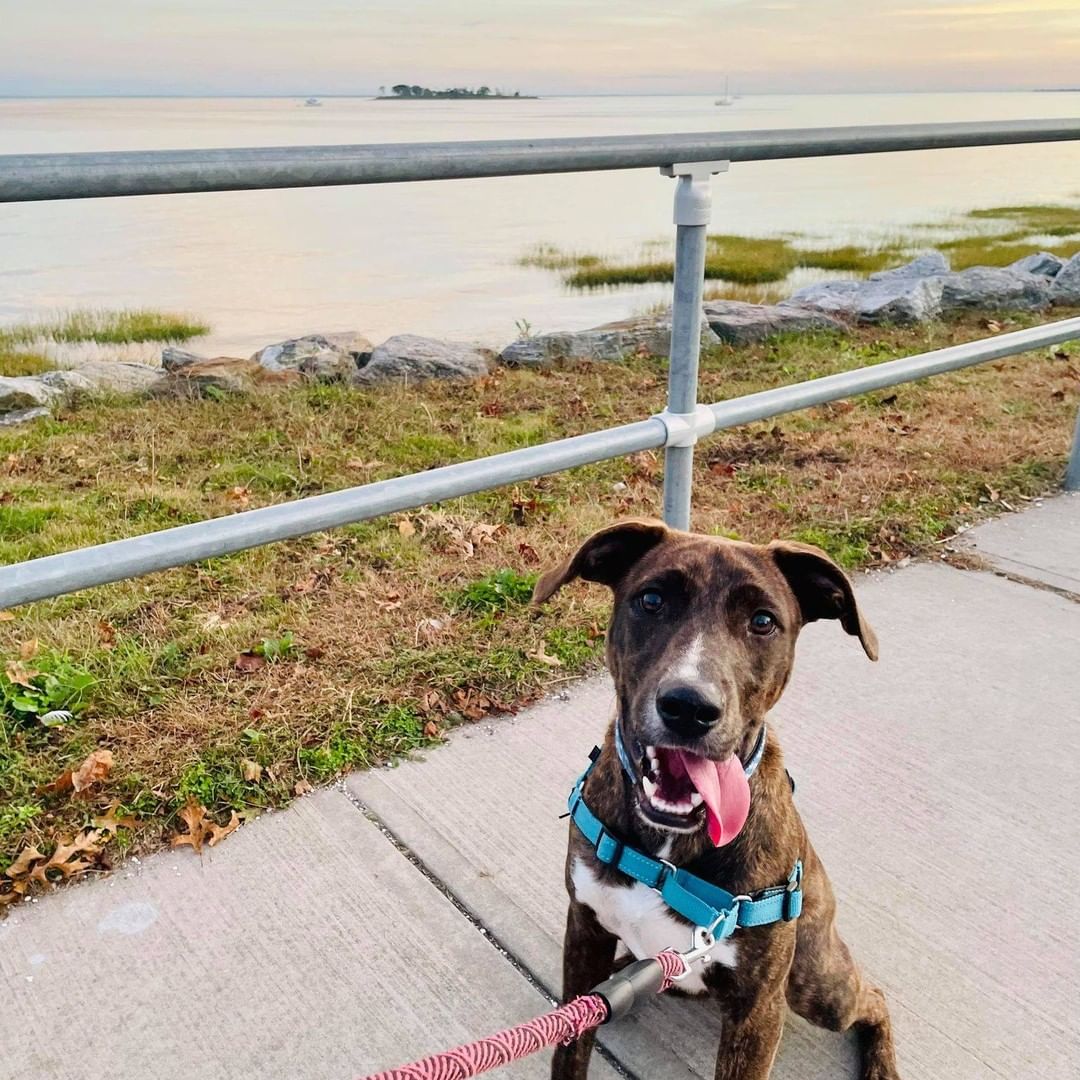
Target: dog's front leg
(588, 956)
(750, 1040)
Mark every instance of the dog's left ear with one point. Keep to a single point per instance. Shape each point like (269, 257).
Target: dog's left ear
(605, 557)
(822, 589)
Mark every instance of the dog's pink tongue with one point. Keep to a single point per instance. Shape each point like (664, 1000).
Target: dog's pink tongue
(726, 791)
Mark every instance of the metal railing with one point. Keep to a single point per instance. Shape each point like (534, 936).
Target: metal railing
(692, 159)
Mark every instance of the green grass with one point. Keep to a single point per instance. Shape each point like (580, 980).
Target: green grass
(105, 328)
(757, 261)
(376, 639)
(14, 362)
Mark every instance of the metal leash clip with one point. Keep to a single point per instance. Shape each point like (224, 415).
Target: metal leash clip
(703, 941)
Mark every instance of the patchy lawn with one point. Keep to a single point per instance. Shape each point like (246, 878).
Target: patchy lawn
(236, 683)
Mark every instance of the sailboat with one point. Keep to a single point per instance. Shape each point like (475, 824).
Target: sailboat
(727, 99)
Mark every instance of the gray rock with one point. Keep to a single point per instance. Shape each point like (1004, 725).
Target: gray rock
(291, 355)
(992, 288)
(899, 299)
(229, 373)
(329, 366)
(21, 416)
(928, 264)
(738, 323)
(1040, 263)
(644, 335)
(1065, 289)
(103, 375)
(172, 359)
(21, 392)
(410, 357)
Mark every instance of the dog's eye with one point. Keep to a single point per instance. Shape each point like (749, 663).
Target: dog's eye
(650, 601)
(762, 622)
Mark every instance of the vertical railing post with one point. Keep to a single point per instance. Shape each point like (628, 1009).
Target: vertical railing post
(693, 209)
(1072, 472)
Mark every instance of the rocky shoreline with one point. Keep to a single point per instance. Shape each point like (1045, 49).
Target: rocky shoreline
(922, 289)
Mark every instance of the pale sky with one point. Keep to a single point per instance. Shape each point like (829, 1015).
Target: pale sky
(537, 46)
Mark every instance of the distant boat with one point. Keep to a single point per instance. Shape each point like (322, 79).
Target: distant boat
(312, 102)
(727, 99)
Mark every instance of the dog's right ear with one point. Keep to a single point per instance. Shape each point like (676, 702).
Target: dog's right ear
(605, 557)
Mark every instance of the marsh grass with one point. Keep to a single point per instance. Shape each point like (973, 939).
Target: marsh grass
(104, 328)
(993, 236)
(378, 637)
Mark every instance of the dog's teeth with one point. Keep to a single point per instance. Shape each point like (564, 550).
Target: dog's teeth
(696, 798)
(649, 786)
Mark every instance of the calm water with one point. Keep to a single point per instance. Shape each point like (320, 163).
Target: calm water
(440, 258)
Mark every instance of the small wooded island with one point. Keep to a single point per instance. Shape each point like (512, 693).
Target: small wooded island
(404, 92)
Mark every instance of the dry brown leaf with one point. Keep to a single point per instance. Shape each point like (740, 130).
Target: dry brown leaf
(23, 861)
(193, 815)
(543, 657)
(251, 770)
(406, 527)
(247, 663)
(238, 495)
(6, 616)
(302, 787)
(94, 770)
(107, 633)
(61, 784)
(528, 554)
(20, 674)
(29, 649)
(431, 730)
(109, 823)
(217, 833)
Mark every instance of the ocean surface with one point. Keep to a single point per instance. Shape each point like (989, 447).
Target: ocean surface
(441, 258)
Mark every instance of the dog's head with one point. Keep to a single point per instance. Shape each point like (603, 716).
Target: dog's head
(700, 646)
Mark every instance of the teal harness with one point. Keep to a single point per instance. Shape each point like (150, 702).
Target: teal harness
(705, 905)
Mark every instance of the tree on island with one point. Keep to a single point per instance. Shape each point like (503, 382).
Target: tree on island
(404, 90)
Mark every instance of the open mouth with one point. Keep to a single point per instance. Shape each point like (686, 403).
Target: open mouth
(680, 790)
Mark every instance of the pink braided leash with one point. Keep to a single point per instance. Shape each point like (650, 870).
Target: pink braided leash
(562, 1025)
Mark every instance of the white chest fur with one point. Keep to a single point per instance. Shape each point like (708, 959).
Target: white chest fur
(642, 921)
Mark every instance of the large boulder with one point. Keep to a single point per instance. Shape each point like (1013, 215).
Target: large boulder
(21, 416)
(899, 298)
(172, 358)
(21, 392)
(993, 288)
(928, 264)
(225, 373)
(331, 357)
(409, 357)
(1065, 288)
(104, 375)
(647, 335)
(1042, 262)
(737, 323)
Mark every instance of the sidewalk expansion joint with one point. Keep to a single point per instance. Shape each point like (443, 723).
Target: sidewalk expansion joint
(500, 947)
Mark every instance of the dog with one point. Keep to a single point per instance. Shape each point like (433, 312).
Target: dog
(700, 647)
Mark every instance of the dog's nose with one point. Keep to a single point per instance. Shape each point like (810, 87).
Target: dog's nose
(686, 711)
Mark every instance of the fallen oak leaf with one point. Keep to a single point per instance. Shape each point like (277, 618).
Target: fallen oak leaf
(193, 815)
(23, 861)
(94, 770)
(251, 770)
(61, 784)
(109, 823)
(29, 649)
(302, 787)
(406, 527)
(543, 657)
(19, 674)
(216, 833)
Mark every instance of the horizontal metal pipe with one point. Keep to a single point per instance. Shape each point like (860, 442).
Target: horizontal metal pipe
(70, 571)
(785, 399)
(31, 177)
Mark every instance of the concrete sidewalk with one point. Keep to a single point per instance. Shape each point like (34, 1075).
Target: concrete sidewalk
(397, 914)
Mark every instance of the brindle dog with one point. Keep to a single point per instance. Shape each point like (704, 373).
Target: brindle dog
(700, 647)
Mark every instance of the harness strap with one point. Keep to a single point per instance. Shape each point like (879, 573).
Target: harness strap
(702, 903)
